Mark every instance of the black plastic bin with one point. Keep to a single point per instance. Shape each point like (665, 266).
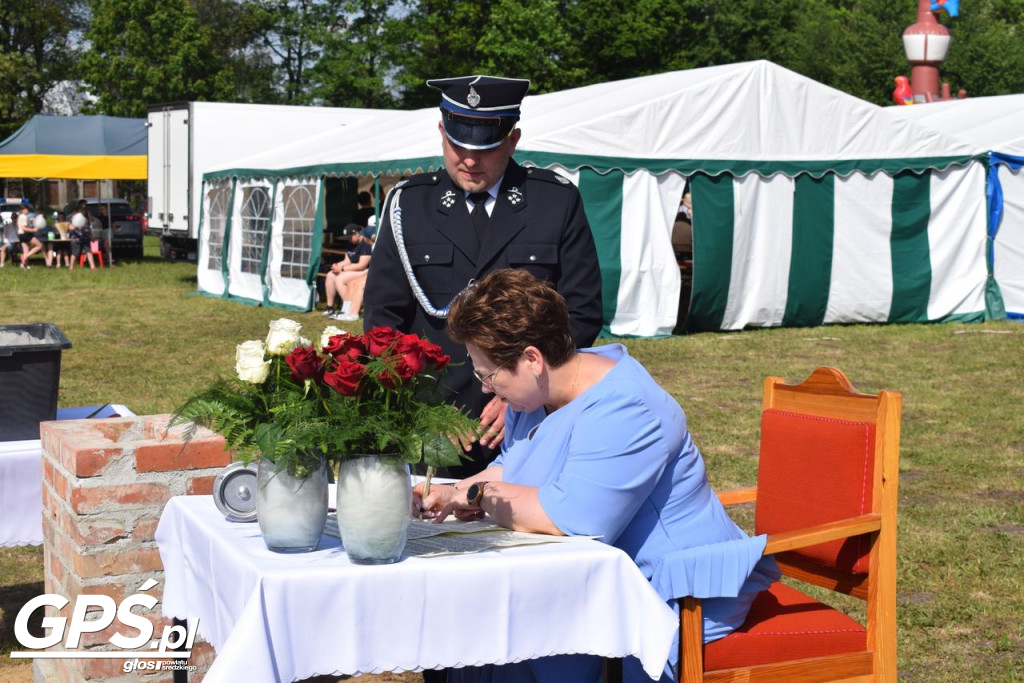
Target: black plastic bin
(29, 377)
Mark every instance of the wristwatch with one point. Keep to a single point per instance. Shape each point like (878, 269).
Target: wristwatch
(475, 493)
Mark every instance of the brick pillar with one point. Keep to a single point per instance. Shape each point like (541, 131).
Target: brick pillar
(105, 484)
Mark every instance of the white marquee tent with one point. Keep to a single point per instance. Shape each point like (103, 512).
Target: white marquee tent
(993, 124)
(810, 205)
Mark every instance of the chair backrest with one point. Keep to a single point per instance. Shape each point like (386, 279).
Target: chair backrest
(829, 452)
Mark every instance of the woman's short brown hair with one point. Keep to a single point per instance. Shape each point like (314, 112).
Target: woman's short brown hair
(508, 310)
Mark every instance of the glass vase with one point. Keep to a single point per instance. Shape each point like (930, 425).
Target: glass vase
(291, 510)
(374, 507)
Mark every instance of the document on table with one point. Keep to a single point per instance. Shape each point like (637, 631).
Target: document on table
(427, 539)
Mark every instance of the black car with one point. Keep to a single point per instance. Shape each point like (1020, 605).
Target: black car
(125, 222)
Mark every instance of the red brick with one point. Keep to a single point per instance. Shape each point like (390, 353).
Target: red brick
(57, 479)
(168, 456)
(203, 654)
(113, 589)
(86, 500)
(113, 428)
(56, 568)
(145, 529)
(94, 532)
(201, 486)
(89, 462)
(117, 562)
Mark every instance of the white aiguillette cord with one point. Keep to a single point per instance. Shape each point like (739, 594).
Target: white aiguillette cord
(417, 290)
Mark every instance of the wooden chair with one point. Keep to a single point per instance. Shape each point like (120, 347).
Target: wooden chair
(826, 498)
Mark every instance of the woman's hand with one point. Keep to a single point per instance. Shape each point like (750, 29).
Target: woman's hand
(443, 500)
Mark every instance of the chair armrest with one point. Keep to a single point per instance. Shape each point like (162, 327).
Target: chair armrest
(737, 496)
(822, 533)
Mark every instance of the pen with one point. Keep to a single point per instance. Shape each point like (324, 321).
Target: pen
(426, 486)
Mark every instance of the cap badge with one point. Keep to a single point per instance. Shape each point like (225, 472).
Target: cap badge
(448, 199)
(473, 98)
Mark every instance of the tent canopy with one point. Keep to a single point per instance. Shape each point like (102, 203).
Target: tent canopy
(76, 147)
(737, 118)
(991, 123)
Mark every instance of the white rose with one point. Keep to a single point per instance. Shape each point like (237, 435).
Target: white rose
(329, 331)
(250, 362)
(283, 337)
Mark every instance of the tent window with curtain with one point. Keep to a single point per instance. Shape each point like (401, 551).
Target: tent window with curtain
(255, 227)
(220, 200)
(299, 215)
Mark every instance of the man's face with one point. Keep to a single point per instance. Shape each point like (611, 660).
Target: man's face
(476, 170)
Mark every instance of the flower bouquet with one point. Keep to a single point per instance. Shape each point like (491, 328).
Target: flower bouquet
(292, 402)
(297, 405)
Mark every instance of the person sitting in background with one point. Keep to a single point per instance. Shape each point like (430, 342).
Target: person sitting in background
(9, 242)
(81, 239)
(353, 266)
(63, 247)
(46, 234)
(593, 447)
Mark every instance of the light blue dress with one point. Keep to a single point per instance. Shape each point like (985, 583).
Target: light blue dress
(618, 462)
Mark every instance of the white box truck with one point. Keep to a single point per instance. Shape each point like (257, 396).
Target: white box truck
(187, 139)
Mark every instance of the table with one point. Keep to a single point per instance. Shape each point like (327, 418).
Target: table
(21, 480)
(21, 493)
(278, 617)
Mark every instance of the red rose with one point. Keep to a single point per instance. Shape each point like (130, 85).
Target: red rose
(304, 362)
(346, 378)
(435, 357)
(379, 338)
(409, 350)
(345, 347)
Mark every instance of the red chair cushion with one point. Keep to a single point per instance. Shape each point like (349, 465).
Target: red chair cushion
(814, 470)
(784, 624)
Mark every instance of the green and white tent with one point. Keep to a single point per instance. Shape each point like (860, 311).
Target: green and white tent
(810, 206)
(992, 124)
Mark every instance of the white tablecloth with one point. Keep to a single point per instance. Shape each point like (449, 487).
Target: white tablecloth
(275, 617)
(21, 480)
(21, 493)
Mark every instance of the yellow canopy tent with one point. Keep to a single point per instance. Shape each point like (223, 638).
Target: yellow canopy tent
(76, 147)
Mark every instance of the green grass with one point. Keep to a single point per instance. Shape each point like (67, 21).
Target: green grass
(141, 337)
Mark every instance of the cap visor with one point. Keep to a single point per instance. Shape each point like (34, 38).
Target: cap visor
(471, 136)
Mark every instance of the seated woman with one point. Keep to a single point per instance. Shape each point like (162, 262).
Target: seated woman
(593, 446)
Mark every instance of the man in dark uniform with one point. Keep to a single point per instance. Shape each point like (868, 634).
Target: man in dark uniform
(430, 246)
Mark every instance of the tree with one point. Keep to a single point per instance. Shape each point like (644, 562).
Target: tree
(359, 59)
(36, 53)
(986, 55)
(294, 31)
(143, 52)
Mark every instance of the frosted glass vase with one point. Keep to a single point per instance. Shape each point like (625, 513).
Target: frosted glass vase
(374, 508)
(291, 511)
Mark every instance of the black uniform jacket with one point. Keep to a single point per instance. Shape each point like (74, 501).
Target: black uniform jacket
(537, 224)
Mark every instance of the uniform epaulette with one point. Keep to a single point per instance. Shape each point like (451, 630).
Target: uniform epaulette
(421, 179)
(546, 174)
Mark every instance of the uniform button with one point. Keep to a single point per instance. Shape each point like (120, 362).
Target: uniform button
(532, 257)
(426, 257)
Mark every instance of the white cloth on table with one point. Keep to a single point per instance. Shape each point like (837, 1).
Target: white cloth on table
(275, 617)
(21, 479)
(21, 493)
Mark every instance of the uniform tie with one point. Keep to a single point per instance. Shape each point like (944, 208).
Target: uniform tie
(479, 214)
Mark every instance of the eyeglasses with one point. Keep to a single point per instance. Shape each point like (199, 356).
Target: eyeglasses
(488, 379)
